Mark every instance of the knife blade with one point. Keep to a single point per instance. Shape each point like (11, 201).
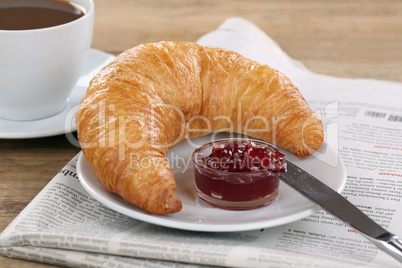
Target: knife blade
(337, 205)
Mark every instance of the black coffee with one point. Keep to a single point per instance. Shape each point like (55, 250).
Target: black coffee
(36, 14)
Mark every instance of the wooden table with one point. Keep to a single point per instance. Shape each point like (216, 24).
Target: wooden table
(342, 38)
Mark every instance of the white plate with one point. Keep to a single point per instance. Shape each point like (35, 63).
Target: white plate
(198, 216)
(63, 122)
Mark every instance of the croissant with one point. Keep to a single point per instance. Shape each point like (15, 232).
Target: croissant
(153, 96)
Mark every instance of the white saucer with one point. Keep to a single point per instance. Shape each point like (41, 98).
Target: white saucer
(198, 216)
(63, 122)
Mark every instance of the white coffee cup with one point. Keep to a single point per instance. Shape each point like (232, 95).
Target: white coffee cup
(39, 67)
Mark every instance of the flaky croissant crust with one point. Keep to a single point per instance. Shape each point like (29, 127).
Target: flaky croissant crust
(153, 96)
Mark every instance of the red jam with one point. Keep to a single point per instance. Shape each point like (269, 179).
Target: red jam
(238, 156)
(238, 174)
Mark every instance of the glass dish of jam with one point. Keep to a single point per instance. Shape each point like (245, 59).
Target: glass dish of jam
(238, 174)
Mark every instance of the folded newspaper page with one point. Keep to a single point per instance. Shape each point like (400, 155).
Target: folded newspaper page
(66, 226)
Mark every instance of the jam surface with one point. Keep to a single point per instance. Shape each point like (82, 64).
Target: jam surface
(239, 172)
(244, 157)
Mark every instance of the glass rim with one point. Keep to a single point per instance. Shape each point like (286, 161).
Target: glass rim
(270, 146)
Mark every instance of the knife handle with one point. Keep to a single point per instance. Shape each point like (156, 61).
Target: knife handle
(390, 244)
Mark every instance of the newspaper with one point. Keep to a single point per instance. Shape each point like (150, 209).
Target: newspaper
(64, 225)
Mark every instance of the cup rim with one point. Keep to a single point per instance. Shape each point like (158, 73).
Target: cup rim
(201, 165)
(88, 13)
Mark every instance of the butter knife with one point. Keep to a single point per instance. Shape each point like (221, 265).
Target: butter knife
(337, 205)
